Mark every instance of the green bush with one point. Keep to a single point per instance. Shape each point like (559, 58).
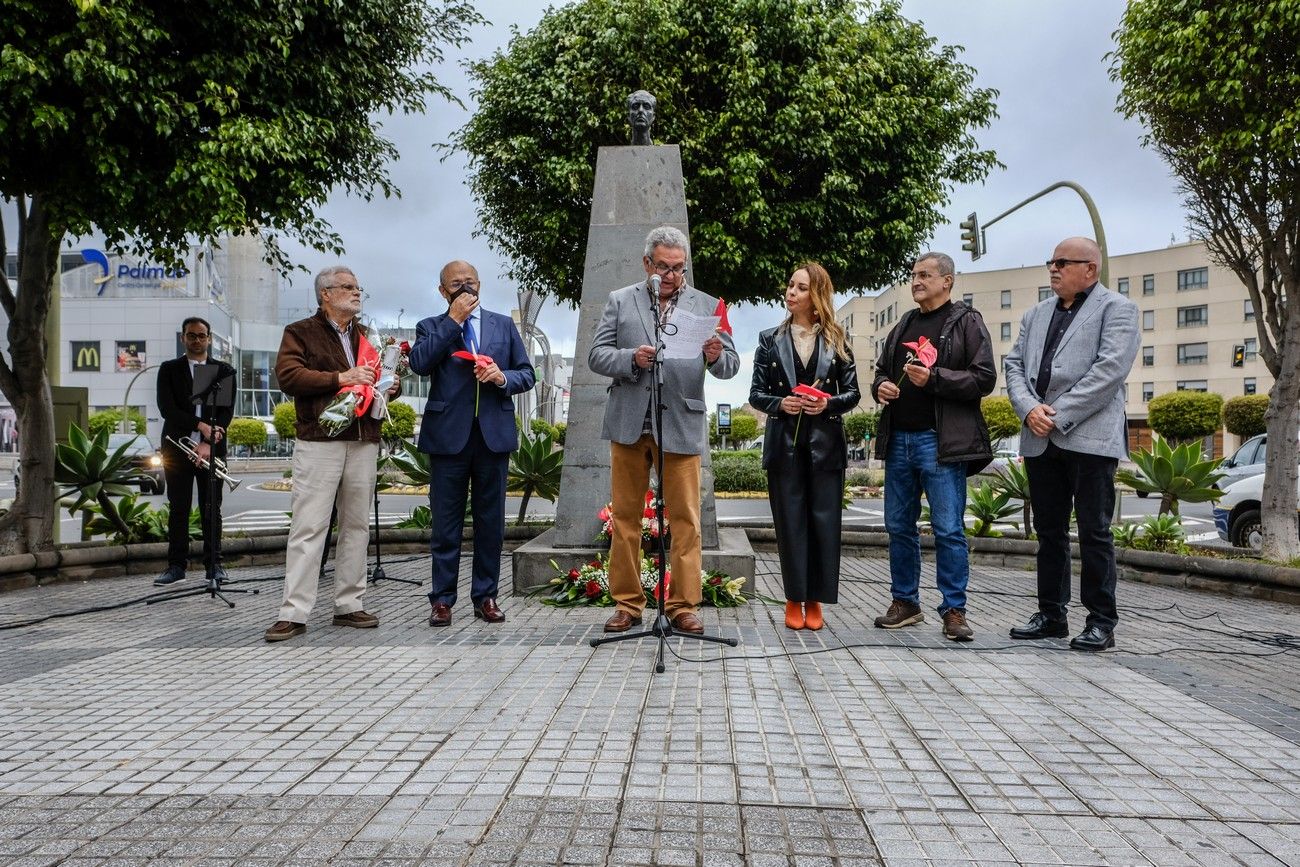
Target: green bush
(865, 478)
(249, 432)
(561, 429)
(859, 425)
(400, 424)
(1000, 417)
(1244, 415)
(734, 472)
(1185, 415)
(285, 419)
(744, 427)
(111, 420)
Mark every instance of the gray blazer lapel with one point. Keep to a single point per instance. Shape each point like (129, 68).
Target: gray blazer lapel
(643, 303)
(1091, 308)
(785, 352)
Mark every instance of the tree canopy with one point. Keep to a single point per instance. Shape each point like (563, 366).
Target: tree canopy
(1184, 415)
(1215, 81)
(155, 122)
(809, 129)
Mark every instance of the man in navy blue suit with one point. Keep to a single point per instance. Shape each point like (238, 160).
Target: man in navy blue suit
(468, 431)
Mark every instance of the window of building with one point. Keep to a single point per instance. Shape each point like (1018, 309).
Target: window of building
(1193, 353)
(1192, 317)
(1148, 356)
(1148, 391)
(1193, 278)
(1006, 330)
(1248, 385)
(1044, 292)
(1148, 284)
(1252, 348)
(1121, 286)
(1006, 299)
(1148, 320)
(1248, 312)
(1192, 385)
(969, 299)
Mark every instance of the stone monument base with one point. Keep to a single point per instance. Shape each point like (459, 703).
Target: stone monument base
(532, 560)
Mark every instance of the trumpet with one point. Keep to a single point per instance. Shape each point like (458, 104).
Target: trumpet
(218, 465)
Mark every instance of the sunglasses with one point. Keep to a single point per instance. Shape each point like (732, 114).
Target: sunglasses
(1061, 263)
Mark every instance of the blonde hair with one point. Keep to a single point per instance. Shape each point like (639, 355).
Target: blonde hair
(822, 292)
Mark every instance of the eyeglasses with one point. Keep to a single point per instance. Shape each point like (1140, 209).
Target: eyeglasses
(350, 287)
(457, 285)
(1061, 263)
(190, 335)
(664, 270)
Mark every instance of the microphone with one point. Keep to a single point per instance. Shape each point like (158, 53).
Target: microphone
(655, 280)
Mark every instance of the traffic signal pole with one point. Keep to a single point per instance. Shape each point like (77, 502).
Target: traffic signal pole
(977, 248)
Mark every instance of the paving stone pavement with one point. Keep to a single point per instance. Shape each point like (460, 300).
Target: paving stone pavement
(171, 734)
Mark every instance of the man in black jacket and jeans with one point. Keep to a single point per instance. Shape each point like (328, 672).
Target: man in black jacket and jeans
(936, 364)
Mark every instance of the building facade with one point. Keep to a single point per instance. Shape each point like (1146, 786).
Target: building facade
(1197, 324)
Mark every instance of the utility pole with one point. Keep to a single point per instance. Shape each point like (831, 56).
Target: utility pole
(973, 240)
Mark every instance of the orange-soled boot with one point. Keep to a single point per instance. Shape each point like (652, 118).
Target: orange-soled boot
(812, 615)
(794, 615)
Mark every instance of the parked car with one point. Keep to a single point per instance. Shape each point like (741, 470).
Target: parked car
(1237, 513)
(1246, 461)
(144, 457)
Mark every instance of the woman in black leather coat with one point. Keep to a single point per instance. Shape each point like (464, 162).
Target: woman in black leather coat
(804, 450)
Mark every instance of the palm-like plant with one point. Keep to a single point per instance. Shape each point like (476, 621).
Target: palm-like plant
(413, 464)
(535, 468)
(1176, 474)
(1013, 480)
(87, 470)
(988, 505)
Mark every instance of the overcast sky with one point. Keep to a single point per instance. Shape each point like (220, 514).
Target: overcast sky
(1057, 121)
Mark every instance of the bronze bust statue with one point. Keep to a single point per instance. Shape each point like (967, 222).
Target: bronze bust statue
(641, 115)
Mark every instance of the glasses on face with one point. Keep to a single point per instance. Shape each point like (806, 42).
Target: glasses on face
(663, 270)
(1061, 263)
(349, 287)
(190, 335)
(457, 285)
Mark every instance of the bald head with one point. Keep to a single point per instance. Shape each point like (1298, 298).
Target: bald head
(1073, 267)
(1080, 248)
(457, 265)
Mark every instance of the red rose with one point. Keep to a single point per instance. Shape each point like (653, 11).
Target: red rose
(406, 347)
(595, 564)
(715, 580)
(604, 514)
(574, 574)
(649, 513)
(593, 589)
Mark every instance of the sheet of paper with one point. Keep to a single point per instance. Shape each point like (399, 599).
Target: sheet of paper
(692, 331)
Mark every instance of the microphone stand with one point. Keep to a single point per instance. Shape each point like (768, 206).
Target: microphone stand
(662, 628)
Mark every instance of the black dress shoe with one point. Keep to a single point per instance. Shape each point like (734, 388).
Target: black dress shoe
(1041, 626)
(170, 575)
(1093, 638)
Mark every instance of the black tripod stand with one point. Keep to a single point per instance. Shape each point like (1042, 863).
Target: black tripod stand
(662, 627)
(211, 390)
(377, 573)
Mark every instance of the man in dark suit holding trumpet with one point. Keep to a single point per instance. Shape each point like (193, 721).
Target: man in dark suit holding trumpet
(182, 468)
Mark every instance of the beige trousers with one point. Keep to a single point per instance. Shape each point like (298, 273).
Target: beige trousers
(325, 473)
(629, 477)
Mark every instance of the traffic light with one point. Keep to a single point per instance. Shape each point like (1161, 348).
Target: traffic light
(970, 236)
(1238, 355)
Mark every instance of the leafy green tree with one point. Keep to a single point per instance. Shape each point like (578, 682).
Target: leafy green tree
(285, 419)
(247, 432)
(1246, 415)
(1184, 415)
(858, 425)
(822, 129)
(155, 122)
(1205, 77)
(1000, 417)
(111, 421)
(744, 427)
(400, 424)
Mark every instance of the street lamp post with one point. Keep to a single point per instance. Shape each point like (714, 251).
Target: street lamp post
(124, 426)
(1104, 273)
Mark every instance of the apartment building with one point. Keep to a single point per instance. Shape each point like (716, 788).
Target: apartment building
(1197, 324)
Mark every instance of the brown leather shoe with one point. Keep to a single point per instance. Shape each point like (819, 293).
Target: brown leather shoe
(488, 610)
(282, 630)
(359, 619)
(440, 615)
(622, 622)
(688, 621)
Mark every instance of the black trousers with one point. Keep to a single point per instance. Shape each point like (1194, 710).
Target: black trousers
(807, 510)
(181, 475)
(1060, 481)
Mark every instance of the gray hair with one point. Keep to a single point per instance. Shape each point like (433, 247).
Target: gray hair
(666, 236)
(943, 260)
(323, 278)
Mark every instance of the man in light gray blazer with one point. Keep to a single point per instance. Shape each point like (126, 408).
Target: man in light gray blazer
(623, 349)
(1065, 377)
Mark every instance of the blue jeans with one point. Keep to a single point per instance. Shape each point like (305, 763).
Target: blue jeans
(912, 466)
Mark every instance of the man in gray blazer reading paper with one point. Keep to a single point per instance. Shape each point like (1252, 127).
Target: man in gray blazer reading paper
(623, 349)
(1065, 377)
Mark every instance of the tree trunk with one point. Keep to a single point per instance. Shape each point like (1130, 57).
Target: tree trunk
(1281, 540)
(523, 506)
(29, 526)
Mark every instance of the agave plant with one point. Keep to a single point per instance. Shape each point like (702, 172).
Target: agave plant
(1162, 533)
(1013, 480)
(1176, 474)
(413, 464)
(88, 471)
(535, 468)
(988, 505)
(146, 523)
(1125, 534)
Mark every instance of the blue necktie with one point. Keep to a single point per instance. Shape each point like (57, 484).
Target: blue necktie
(471, 343)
